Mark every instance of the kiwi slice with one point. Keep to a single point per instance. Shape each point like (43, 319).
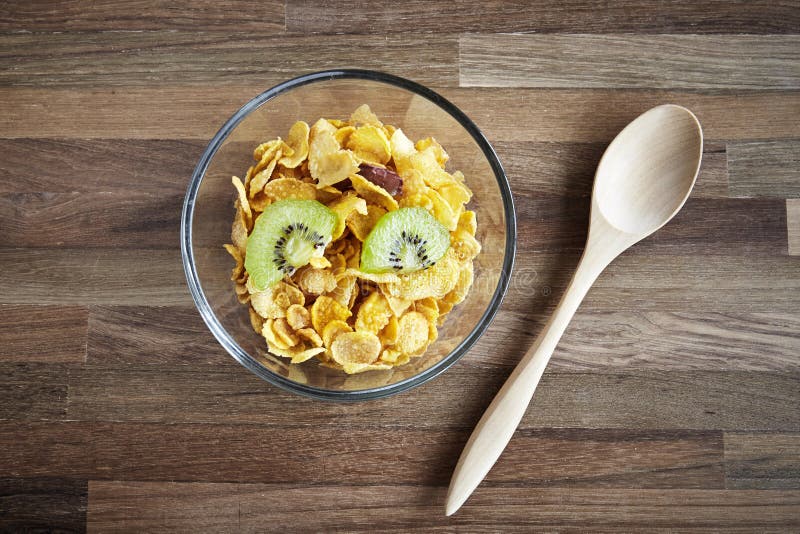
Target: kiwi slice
(286, 236)
(404, 241)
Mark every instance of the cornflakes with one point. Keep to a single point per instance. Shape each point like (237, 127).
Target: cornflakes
(327, 308)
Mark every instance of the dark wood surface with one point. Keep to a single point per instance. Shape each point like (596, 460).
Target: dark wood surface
(671, 404)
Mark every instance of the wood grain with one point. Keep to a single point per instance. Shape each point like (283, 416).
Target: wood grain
(762, 461)
(172, 112)
(43, 504)
(793, 225)
(700, 400)
(546, 222)
(79, 219)
(361, 455)
(175, 336)
(149, 59)
(712, 283)
(603, 341)
(567, 169)
(58, 15)
(151, 335)
(32, 391)
(639, 16)
(765, 169)
(599, 115)
(92, 276)
(703, 226)
(626, 61)
(55, 334)
(160, 166)
(178, 507)
(670, 404)
(652, 282)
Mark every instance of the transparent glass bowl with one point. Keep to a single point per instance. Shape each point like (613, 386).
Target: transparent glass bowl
(208, 213)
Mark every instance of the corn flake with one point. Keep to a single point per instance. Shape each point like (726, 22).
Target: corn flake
(325, 310)
(361, 225)
(310, 335)
(369, 143)
(315, 281)
(298, 316)
(373, 193)
(434, 282)
(343, 207)
(286, 188)
(412, 332)
(297, 140)
(332, 330)
(355, 348)
(364, 115)
(374, 313)
(328, 163)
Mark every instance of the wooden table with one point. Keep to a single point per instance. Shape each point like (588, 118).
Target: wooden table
(670, 405)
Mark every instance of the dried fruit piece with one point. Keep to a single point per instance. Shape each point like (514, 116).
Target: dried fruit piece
(382, 177)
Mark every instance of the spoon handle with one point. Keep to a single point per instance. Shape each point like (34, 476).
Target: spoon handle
(500, 420)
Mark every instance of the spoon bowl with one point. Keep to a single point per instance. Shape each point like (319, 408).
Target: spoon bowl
(643, 179)
(648, 170)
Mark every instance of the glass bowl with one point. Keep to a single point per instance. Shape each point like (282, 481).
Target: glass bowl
(208, 213)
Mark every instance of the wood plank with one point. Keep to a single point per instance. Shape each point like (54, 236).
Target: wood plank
(175, 336)
(793, 225)
(357, 455)
(627, 400)
(634, 282)
(32, 391)
(575, 16)
(604, 341)
(72, 15)
(88, 220)
(703, 226)
(54, 334)
(160, 166)
(624, 61)
(92, 276)
(149, 59)
(651, 282)
(179, 507)
(762, 461)
(151, 335)
(567, 169)
(514, 115)
(43, 504)
(765, 168)
(546, 222)
(599, 115)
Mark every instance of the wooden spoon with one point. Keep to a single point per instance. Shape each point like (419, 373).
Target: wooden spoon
(642, 181)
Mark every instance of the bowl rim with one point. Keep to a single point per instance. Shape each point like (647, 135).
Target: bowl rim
(225, 339)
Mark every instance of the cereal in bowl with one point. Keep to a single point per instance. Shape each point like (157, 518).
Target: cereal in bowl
(352, 243)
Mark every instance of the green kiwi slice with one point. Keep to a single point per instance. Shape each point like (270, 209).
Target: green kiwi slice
(285, 237)
(404, 241)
